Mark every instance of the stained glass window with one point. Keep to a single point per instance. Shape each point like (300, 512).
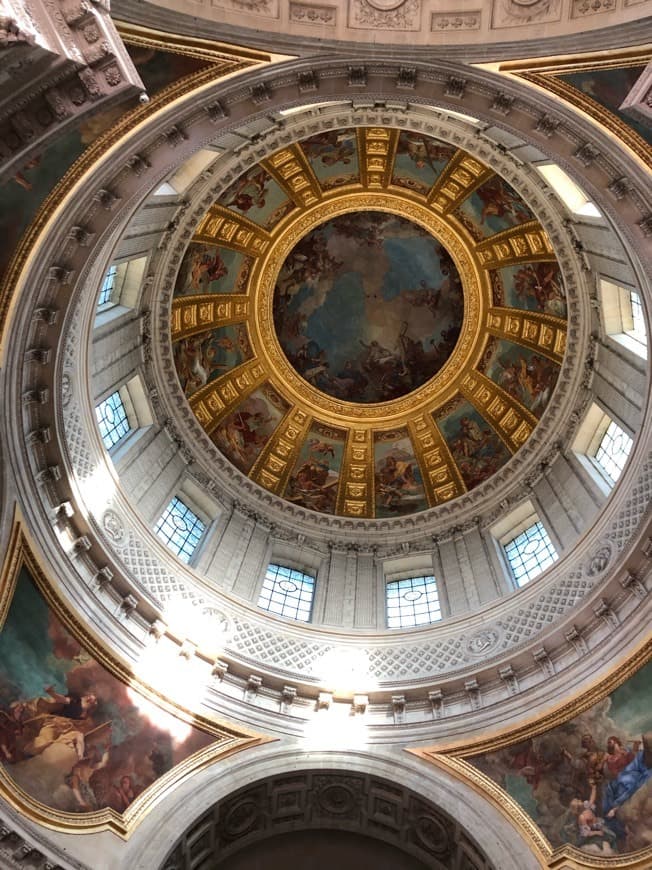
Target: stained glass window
(180, 529)
(287, 592)
(112, 420)
(412, 601)
(530, 553)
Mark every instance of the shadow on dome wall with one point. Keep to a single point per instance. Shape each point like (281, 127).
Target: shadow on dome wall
(80, 746)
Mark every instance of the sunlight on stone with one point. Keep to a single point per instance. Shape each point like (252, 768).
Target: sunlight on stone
(97, 491)
(346, 670)
(176, 678)
(205, 625)
(336, 727)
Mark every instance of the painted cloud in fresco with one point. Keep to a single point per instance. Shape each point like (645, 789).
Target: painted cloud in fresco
(368, 307)
(587, 782)
(71, 735)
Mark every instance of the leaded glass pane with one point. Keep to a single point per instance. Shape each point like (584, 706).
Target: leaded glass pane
(112, 420)
(530, 553)
(287, 592)
(107, 286)
(613, 451)
(180, 529)
(411, 602)
(638, 330)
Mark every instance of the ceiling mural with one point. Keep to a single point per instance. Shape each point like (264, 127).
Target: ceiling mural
(74, 737)
(368, 306)
(588, 781)
(369, 322)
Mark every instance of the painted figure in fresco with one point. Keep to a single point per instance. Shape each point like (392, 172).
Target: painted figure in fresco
(592, 834)
(313, 486)
(79, 778)
(631, 776)
(198, 357)
(394, 480)
(541, 282)
(204, 268)
(498, 200)
(331, 148)
(529, 380)
(423, 151)
(477, 451)
(249, 191)
(123, 794)
(57, 719)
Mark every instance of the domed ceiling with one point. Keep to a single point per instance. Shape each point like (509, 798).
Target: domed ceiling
(369, 323)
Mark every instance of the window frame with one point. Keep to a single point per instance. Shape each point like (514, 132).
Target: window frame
(275, 582)
(410, 578)
(587, 443)
(199, 519)
(129, 415)
(540, 568)
(617, 309)
(522, 518)
(138, 411)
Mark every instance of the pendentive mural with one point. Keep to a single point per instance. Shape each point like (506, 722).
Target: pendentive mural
(339, 303)
(587, 782)
(73, 736)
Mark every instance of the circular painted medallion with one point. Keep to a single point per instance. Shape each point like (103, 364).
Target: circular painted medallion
(368, 306)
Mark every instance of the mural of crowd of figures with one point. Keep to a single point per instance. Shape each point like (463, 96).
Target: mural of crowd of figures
(72, 736)
(587, 782)
(367, 308)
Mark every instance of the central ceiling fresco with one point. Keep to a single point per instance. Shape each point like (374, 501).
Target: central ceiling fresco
(368, 306)
(369, 323)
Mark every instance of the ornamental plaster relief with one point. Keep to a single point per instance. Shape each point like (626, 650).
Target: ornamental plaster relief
(408, 23)
(530, 618)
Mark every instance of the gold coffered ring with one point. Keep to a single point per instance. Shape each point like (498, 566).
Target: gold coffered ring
(431, 395)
